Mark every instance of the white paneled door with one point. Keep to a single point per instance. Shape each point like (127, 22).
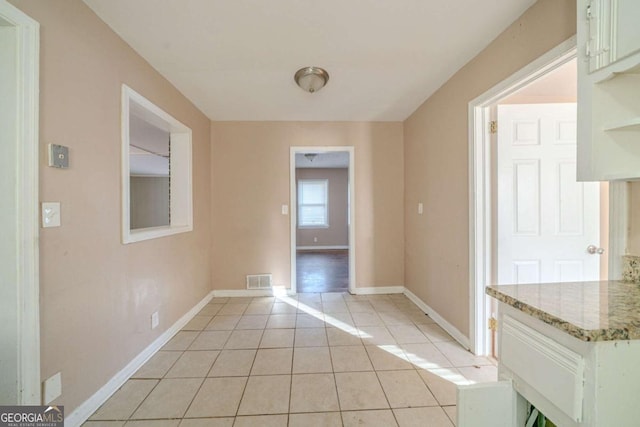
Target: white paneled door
(546, 219)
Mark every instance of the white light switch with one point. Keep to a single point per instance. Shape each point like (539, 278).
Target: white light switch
(285, 209)
(420, 208)
(51, 214)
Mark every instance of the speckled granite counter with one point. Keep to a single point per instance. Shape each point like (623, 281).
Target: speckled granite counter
(589, 311)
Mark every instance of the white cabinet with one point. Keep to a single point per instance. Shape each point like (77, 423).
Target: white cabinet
(611, 31)
(572, 382)
(625, 29)
(608, 89)
(495, 404)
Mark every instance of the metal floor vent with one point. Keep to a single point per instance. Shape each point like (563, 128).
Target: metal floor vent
(259, 281)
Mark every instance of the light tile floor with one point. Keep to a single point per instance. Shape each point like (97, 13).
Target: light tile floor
(329, 359)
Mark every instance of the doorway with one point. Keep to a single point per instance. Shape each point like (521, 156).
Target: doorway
(322, 222)
(483, 178)
(19, 294)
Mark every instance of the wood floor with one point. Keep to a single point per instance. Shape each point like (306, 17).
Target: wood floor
(322, 271)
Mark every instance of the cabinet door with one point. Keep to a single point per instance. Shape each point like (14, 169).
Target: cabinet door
(596, 32)
(625, 28)
(490, 405)
(608, 89)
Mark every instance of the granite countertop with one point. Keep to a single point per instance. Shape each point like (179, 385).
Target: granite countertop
(589, 311)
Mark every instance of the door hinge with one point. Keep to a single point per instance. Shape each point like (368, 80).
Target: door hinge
(493, 324)
(493, 126)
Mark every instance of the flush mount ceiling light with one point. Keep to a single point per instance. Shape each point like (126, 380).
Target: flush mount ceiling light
(311, 79)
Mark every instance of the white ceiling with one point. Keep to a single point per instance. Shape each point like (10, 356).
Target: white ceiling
(235, 59)
(330, 159)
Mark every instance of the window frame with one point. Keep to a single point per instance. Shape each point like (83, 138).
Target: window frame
(299, 206)
(181, 201)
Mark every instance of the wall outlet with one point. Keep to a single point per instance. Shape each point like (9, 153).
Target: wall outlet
(315, 240)
(285, 209)
(52, 388)
(420, 208)
(155, 320)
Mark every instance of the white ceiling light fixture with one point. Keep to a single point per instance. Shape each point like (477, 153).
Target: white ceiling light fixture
(311, 79)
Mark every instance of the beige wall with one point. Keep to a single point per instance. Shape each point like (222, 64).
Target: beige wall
(436, 159)
(337, 234)
(250, 182)
(560, 85)
(97, 295)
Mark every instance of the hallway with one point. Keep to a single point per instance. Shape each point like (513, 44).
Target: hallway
(329, 359)
(322, 271)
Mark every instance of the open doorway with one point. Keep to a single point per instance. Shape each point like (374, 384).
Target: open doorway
(321, 206)
(523, 186)
(19, 219)
(545, 220)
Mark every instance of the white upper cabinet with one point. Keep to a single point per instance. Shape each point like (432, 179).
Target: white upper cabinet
(625, 28)
(611, 30)
(608, 89)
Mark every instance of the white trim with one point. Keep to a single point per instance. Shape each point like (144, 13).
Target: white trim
(28, 276)
(181, 169)
(618, 226)
(293, 197)
(379, 290)
(480, 185)
(321, 248)
(89, 406)
(224, 293)
(448, 327)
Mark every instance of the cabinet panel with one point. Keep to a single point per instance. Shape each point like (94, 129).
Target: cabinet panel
(550, 368)
(597, 39)
(489, 405)
(625, 28)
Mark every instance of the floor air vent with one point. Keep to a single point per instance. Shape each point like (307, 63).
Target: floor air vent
(259, 281)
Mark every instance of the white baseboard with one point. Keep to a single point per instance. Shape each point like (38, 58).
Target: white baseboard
(223, 293)
(89, 406)
(373, 290)
(451, 330)
(320, 248)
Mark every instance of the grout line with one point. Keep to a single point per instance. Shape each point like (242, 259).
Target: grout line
(397, 306)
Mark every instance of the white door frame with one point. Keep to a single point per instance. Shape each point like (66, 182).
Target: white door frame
(28, 51)
(293, 211)
(480, 215)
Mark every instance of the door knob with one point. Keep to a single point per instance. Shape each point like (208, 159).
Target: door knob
(593, 249)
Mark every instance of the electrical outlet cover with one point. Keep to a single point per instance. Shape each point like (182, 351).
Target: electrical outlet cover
(155, 320)
(52, 388)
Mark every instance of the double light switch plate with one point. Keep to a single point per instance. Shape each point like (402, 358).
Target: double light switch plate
(50, 214)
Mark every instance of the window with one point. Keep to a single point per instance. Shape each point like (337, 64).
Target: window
(312, 203)
(156, 171)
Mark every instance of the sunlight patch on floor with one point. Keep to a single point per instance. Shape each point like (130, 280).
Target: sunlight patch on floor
(436, 369)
